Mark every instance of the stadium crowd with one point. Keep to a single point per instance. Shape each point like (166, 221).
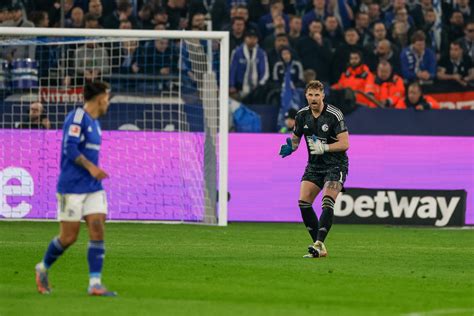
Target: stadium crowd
(384, 51)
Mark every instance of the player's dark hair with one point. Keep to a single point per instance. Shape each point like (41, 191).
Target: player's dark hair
(93, 89)
(314, 84)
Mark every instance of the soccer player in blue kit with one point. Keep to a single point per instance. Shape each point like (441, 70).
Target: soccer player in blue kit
(80, 193)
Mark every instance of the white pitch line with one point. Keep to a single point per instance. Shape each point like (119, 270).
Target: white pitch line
(442, 312)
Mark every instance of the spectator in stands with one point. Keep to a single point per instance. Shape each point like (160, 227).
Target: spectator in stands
(279, 27)
(392, 15)
(4, 14)
(341, 55)
(287, 63)
(362, 27)
(39, 18)
(296, 26)
(145, 17)
(379, 33)
(456, 68)
(333, 32)
(242, 11)
(384, 51)
(417, 61)
(400, 36)
(91, 21)
(313, 45)
(55, 12)
(281, 40)
(266, 22)
(416, 100)
(160, 17)
(455, 26)
(16, 18)
(215, 10)
(465, 8)
(89, 62)
(468, 40)
(290, 120)
(77, 18)
(36, 119)
(177, 13)
(155, 58)
(401, 16)
(375, 14)
(319, 13)
(96, 8)
(357, 77)
(386, 88)
(436, 35)
(123, 12)
(248, 67)
(197, 22)
(236, 36)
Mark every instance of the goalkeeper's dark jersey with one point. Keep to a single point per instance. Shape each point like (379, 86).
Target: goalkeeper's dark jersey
(326, 128)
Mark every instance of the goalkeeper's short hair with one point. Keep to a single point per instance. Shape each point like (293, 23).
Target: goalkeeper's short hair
(95, 88)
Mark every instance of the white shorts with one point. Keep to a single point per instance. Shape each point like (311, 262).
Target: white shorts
(73, 207)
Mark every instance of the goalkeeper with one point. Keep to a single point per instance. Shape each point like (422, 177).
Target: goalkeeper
(327, 141)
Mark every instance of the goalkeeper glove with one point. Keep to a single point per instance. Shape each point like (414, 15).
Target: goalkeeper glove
(316, 146)
(287, 149)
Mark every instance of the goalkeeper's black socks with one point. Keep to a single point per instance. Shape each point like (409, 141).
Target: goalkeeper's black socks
(309, 218)
(326, 217)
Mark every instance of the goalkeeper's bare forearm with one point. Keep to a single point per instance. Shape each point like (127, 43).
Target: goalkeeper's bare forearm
(342, 143)
(295, 142)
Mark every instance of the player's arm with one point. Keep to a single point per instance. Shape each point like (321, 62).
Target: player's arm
(95, 171)
(71, 148)
(342, 143)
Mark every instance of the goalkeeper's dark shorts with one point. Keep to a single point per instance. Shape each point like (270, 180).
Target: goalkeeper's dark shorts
(320, 176)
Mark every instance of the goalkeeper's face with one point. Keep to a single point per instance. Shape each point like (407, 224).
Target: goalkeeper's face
(103, 103)
(315, 99)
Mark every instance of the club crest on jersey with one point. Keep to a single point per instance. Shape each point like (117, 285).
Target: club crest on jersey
(74, 130)
(325, 128)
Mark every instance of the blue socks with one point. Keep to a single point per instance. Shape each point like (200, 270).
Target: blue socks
(95, 257)
(54, 251)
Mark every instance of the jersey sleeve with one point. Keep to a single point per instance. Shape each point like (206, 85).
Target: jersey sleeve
(340, 126)
(298, 130)
(73, 131)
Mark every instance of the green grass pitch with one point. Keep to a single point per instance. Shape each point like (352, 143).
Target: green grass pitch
(244, 269)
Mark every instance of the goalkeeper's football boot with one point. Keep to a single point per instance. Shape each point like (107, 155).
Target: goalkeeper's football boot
(42, 282)
(317, 250)
(100, 290)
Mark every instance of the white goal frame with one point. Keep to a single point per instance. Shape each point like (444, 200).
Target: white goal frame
(223, 135)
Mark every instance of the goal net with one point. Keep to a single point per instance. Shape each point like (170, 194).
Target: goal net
(164, 138)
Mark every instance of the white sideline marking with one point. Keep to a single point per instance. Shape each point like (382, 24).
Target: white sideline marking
(442, 312)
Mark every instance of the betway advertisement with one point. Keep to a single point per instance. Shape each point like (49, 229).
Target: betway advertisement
(159, 176)
(401, 207)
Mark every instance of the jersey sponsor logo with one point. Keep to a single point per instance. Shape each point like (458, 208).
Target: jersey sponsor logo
(74, 130)
(325, 128)
(415, 207)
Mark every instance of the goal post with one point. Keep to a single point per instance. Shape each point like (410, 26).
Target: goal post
(172, 102)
